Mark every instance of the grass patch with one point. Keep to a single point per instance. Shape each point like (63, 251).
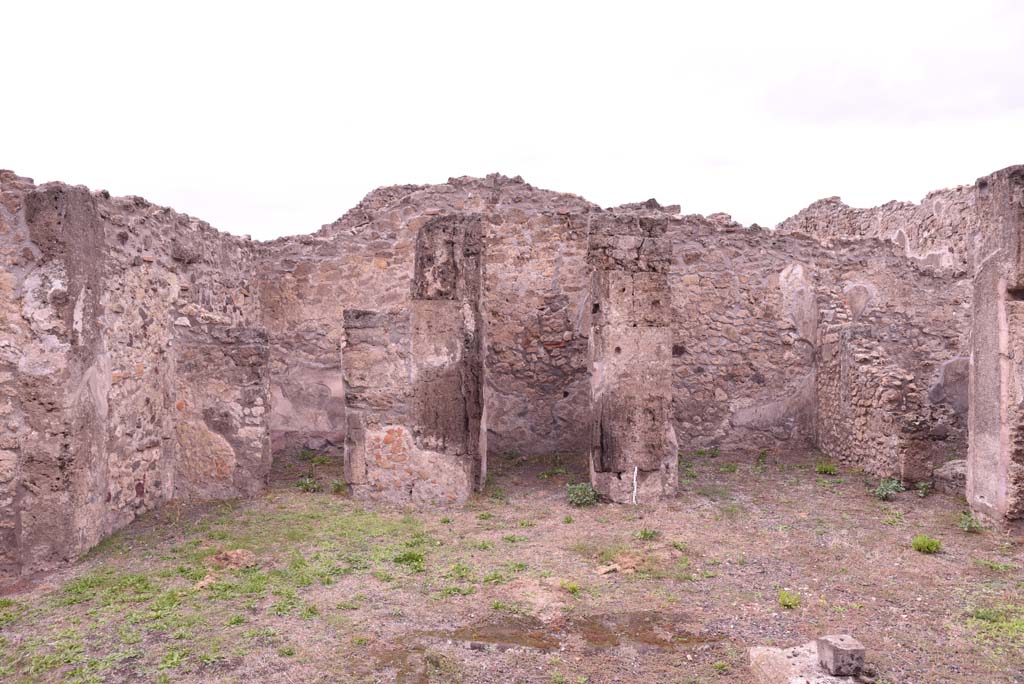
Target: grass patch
(826, 468)
(414, 560)
(999, 627)
(996, 566)
(511, 608)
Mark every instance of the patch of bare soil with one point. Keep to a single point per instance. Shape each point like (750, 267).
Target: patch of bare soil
(518, 586)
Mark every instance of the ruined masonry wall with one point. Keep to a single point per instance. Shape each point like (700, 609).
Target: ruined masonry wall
(934, 233)
(533, 303)
(995, 467)
(110, 406)
(758, 319)
(144, 356)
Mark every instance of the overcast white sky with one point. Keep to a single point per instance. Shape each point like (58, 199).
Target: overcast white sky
(274, 118)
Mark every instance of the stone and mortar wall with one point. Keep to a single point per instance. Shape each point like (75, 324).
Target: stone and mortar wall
(933, 234)
(413, 377)
(104, 298)
(534, 304)
(760, 317)
(145, 356)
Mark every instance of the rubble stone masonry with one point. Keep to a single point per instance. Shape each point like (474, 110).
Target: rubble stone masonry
(145, 356)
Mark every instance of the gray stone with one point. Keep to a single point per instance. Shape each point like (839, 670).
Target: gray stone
(840, 654)
(796, 665)
(951, 477)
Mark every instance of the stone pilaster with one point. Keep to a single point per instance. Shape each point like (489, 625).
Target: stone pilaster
(995, 464)
(633, 453)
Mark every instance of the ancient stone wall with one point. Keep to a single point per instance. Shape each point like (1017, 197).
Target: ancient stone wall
(634, 451)
(533, 303)
(758, 318)
(995, 465)
(536, 308)
(144, 356)
(120, 321)
(413, 377)
(934, 234)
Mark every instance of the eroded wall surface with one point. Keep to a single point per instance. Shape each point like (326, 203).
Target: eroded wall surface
(120, 319)
(781, 341)
(633, 449)
(934, 234)
(413, 377)
(534, 304)
(144, 356)
(995, 467)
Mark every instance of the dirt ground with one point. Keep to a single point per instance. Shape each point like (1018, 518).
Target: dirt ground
(297, 586)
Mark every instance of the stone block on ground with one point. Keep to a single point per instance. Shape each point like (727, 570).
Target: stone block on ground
(840, 654)
(796, 665)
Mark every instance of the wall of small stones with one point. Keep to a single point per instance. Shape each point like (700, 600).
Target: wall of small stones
(144, 356)
(131, 370)
(758, 314)
(533, 301)
(933, 234)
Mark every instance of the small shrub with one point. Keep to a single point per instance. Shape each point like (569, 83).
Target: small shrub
(720, 666)
(513, 538)
(922, 489)
(926, 544)
(446, 521)
(308, 484)
(572, 587)
(647, 535)
(581, 494)
(485, 516)
(888, 488)
(789, 599)
(338, 487)
(968, 523)
(568, 520)
(762, 457)
(286, 651)
(826, 468)
(728, 468)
